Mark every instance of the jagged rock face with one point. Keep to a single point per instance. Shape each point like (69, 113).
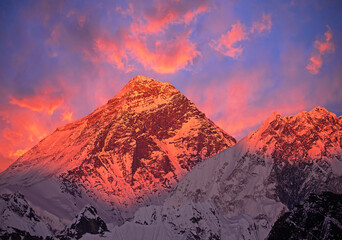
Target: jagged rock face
(128, 152)
(307, 153)
(18, 219)
(319, 217)
(305, 137)
(87, 221)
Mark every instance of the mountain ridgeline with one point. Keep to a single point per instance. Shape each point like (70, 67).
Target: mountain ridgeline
(150, 165)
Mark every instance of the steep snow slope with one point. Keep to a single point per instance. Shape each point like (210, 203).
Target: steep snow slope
(255, 181)
(17, 218)
(285, 160)
(127, 153)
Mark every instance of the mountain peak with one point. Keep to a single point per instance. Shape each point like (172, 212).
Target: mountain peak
(141, 86)
(306, 135)
(128, 152)
(139, 79)
(275, 121)
(319, 112)
(87, 221)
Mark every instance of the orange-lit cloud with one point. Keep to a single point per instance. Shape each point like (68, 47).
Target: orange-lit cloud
(111, 52)
(39, 103)
(19, 152)
(166, 13)
(67, 116)
(167, 56)
(229, 44)
(23, 129)
(145, 40)
(4, 162)
(320, 49)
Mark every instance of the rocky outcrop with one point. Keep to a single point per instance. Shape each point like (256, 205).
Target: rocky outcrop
(18, 220)
(318, 217)
(87, 221)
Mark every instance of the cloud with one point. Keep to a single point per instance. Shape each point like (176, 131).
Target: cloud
(67, 116)
(44, 101)
(4, 162)
(264, 25)
(320, 48)
(162, 14)
(166, 56)
(147, 41)
(111, 52)
(229, 44)
(21, 129)
(19, 152)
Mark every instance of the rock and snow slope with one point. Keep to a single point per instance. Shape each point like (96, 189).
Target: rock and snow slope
(17, 218)
(127, 153)
(251, 184)
(150, 140)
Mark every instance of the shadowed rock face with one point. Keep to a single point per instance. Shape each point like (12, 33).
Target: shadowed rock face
(87, 221)
(319, 217)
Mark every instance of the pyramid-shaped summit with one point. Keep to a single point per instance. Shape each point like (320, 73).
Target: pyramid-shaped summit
(125, 154)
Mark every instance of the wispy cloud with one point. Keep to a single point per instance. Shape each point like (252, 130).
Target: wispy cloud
(230, 43)
(321, 47)
(147, 39)
(265, 24)
(167, 56)
(45, 101)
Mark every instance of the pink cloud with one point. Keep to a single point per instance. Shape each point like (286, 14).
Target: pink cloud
(165, 13)
(46, 101)
(264, 25)
(67, 116)
(23, 130)
(147, 42)
(229, 44)
(111, 52)
(320, 48)
(167, 56)
(4, 162)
